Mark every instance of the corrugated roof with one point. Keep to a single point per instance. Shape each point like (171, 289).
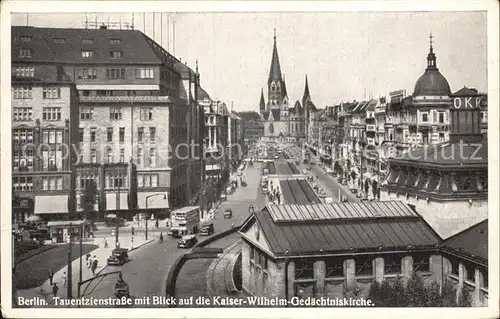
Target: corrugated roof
(66, 45)
(282, 167)
(306, 230)
(297, 191)
(473, 240)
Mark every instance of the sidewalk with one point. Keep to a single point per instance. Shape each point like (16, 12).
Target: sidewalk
(101, 254)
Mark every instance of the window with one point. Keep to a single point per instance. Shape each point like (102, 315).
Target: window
(25, 38)
(455, 266)
(115, 113)
(425, 117)
(140, 134)
(51, 136)
(22, 92)
(441, 117)
(110, 155)
(122, 134)
(23, 160)
(304, 269)
(146, 113)
(441, 137)
(115, 41)
(152, 157)
(86, 73)
(24, 71)
(392, 264)
(364, 265)
(421, 262)
(93, 156)
(87, 54)
(87, 41)
(116, 54)
(86, 113)
(22, 183)
(110, 134)
(252, 253)
(115, 73)
(122, 155)
(334, 267)
(152, 134)
(471, 272)
(51, 113)
(51, 93)
(147, 180)
(52, 183)
(22, 114)
(81, 132)
(140, 155)
(92, 134)
(25, 53)
(144, 73)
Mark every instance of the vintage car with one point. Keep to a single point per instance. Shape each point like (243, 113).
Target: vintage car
(343, 199)
(187, 241)
(228, 213)
(207, 230)
(118, 257)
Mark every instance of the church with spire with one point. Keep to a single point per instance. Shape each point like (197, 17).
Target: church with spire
(281, 120)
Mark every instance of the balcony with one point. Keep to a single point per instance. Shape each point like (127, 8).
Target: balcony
(370, 127)
(129, 99)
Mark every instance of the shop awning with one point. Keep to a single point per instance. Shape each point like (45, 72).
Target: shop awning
(63, 223)
(155, 200)
(111, 201)
(214, 167)
(117, 87)
(51, 204)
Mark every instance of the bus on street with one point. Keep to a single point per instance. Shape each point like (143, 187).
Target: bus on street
(184, 221)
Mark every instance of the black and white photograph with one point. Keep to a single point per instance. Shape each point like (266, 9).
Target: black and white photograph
(283, 157)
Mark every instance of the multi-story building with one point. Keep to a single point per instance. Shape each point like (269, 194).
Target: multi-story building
(44, 133)
(253, 127)
(216, 138)
(236, 143)
(137, 111)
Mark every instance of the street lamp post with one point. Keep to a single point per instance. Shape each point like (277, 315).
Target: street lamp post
(147, 199)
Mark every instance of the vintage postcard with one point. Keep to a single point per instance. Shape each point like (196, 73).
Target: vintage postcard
(249, 159)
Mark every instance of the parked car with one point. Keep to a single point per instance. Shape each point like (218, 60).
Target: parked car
(223, 197)
(310, 179)
(354, 190)
(343, 199)
(187, 241)
(228, 213)
(118, 257)
(304, 172)
(207, 230)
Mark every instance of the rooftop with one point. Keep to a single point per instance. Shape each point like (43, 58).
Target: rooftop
(304, 230)
(283, 168)
(472, 241)
(297, 191)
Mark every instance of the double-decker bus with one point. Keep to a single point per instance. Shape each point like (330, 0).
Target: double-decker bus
(184, 221)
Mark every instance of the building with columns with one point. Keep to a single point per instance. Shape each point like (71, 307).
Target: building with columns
(334, 250)
(339, 250)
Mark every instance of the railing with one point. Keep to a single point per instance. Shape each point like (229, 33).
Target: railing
(145, 98)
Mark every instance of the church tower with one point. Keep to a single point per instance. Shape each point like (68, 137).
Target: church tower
(275, 80)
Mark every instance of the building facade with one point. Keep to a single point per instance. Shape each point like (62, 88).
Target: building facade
(137, 105)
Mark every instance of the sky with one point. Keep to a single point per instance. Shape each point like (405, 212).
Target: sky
(346, 55)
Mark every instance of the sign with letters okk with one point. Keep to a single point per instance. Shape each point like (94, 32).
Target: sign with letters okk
(467, 102)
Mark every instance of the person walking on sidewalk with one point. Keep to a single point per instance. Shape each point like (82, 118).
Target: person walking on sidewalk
(133, 231)
(55, 289)
(89, 262)
(51, 276)
(65, 279)
(156, 223)
(94, 265)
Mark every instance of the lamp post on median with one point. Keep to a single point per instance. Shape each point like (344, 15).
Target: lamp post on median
(147, 199)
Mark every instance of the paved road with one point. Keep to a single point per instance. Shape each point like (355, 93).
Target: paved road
(148, 268)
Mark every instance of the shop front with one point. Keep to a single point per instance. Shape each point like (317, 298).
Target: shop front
(62, 231)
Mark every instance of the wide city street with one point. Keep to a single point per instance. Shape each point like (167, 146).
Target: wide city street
(147, 270)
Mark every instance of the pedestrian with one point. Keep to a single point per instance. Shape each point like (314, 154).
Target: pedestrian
(156, 223)
(94, 265)
(89, 262)
(55, 289)
(87, 257)
(105, 243)
(51, 276)
(65, 279)
(133, 231)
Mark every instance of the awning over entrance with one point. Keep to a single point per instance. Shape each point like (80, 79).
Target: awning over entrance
(65, 223)
(214, 167)
(111, 201)
(51, 204)
(157, 201)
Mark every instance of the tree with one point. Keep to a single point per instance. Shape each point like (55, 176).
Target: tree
(415, 293)
(89, 198)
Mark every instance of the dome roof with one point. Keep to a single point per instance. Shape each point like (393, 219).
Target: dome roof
(432, 82)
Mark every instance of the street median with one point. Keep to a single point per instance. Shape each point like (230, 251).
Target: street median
(199, 251)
